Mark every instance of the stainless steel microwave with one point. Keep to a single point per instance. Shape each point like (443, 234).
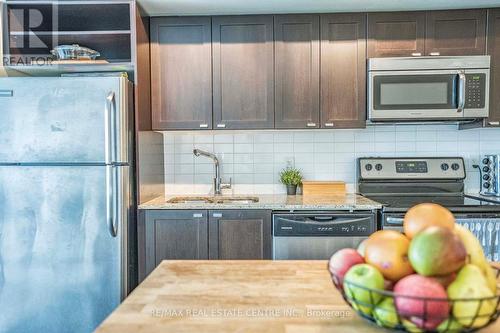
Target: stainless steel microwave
(428, 88)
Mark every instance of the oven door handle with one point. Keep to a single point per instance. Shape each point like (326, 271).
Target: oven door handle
(398, 221)
(461, 91)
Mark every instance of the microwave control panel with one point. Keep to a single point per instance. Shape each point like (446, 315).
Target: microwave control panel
(475, 87)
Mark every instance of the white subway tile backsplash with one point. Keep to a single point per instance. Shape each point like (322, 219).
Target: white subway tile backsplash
(254, 159)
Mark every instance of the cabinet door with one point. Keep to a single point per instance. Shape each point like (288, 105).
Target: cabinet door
(396, 34)
(171, 234)
(494, 52)
(243, 56)
(181, 75)
(296, 71)
(240, 234)
(343, 71)
(456, 32)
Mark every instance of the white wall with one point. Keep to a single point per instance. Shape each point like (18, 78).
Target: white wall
(254, 158)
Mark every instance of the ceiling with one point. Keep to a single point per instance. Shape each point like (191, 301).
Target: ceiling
(218, 7)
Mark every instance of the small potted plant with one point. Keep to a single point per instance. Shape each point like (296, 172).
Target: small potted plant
(291, 177)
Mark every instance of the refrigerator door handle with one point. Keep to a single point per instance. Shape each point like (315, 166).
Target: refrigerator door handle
(109, 128)
(111, 204)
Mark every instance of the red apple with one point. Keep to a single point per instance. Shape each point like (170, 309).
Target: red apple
(410, 292)
(342, 260)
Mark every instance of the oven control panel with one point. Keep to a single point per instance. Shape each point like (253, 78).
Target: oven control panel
(411, 168)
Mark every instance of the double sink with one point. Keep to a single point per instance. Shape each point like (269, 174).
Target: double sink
(214, 200)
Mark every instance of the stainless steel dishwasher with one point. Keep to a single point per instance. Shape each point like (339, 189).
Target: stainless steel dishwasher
(317, 235)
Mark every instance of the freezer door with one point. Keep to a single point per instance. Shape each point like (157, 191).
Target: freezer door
(64, 119)
(60, 264)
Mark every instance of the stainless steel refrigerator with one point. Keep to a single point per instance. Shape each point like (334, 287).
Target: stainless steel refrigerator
(65, 201)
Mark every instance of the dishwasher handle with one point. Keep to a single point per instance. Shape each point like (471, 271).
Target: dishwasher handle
(341, 225)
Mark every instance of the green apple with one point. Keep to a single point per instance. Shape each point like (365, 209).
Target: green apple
(385, 313)
(450, 325)
(359, 277)
(468, 288)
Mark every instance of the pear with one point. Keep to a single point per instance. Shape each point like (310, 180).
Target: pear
(411, 327)
(385, 313)
(466, 292)
(476, 255)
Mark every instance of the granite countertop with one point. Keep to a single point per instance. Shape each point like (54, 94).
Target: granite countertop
(349, 201)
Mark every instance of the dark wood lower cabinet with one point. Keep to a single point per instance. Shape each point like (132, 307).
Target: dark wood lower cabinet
(202, 234)
(240, 234)
(171, 234)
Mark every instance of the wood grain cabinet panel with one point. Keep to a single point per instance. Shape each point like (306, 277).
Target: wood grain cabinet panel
(494, 52)
(296, 71)
(171, 234)
(396, 34)
(243, 72)
(343, 71)
(456, 32)
(181, 75)
(240, 234)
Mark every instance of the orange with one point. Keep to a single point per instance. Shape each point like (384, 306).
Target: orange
(387, 250)
(426, 215)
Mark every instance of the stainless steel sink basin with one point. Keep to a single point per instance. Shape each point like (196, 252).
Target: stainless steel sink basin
(241, 200)
(191, 200)
(215, 200)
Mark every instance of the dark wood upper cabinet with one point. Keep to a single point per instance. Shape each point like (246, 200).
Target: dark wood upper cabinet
(343, 71)
(171, 234)
(243, 72)
(181, 76)
(240, 234)
(296, 71)
(396, 34)
(456, 32)
(494, 52)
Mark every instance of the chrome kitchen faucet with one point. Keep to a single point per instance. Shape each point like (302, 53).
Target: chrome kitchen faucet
(218, 184)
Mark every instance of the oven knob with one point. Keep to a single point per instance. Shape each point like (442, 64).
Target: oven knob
(486, 177)
(368, 167)
(378, 166)
(486, 169)
(455, 166)
(486, 161)
(486, 185)
(444, 166)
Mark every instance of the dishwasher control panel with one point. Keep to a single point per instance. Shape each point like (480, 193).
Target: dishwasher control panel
(348, 224)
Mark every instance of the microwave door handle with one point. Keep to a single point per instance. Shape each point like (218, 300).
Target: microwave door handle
(461, 92)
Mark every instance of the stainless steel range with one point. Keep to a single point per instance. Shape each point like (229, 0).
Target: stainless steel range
(400, 183)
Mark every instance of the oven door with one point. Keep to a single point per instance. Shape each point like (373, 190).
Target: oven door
(416, 95)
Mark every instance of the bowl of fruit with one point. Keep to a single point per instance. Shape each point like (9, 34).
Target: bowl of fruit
(433, 277)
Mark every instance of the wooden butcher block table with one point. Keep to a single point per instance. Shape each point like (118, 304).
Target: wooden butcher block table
(239, 296)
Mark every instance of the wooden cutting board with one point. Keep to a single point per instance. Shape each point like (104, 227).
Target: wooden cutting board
(323, 188)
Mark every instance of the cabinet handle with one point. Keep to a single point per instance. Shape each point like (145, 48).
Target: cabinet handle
(203, 125)
(416, 54)
(196, 215)
(311, 124)
(328, 124)
(434, 53)
(221, 125)
(217, 214)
